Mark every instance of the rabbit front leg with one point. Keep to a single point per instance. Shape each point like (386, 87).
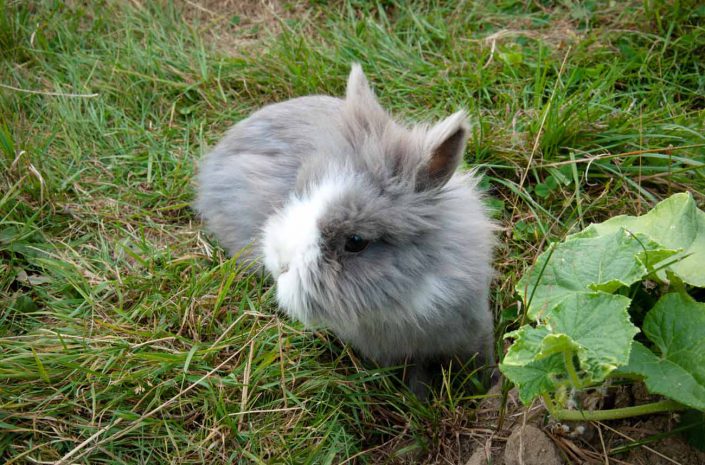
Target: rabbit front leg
(420, 375)
(423, 374)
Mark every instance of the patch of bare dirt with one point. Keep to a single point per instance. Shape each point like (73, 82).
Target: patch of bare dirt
(233, 26)
(517, 435)
(662, 452)
(559, 35)
(528, 445)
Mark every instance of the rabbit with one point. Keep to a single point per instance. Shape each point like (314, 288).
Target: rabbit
(364, 225)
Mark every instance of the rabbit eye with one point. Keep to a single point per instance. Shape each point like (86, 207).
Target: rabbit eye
(355, 244)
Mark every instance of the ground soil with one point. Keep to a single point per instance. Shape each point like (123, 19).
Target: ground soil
(233, 26)
(574, 443)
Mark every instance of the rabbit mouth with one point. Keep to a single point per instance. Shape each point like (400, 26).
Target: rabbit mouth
(292, 295)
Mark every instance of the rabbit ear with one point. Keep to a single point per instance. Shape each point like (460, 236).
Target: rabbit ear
(358, 89)
(445, 144)
(360, 100)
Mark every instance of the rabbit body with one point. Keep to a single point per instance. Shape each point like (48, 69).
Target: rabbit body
(364, 224)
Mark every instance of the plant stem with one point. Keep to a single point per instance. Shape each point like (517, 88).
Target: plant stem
(550, 405)
(570, 367)
(617, 413)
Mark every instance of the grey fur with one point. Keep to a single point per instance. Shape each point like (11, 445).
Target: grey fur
(420, 290)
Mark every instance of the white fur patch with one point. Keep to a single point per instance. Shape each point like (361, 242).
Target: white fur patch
(424, 300)
(291, 245)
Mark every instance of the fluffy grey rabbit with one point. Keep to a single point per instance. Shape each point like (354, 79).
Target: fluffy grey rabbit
(364, 224)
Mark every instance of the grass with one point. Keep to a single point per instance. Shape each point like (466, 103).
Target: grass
(127, 336)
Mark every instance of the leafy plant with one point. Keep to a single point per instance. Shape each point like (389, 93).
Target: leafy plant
(583, 296)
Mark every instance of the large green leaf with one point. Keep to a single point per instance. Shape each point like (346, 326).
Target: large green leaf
(599, 324)
(579, 318)
(585, 264)
(677, 224)
(595, 327)
(676, 326)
